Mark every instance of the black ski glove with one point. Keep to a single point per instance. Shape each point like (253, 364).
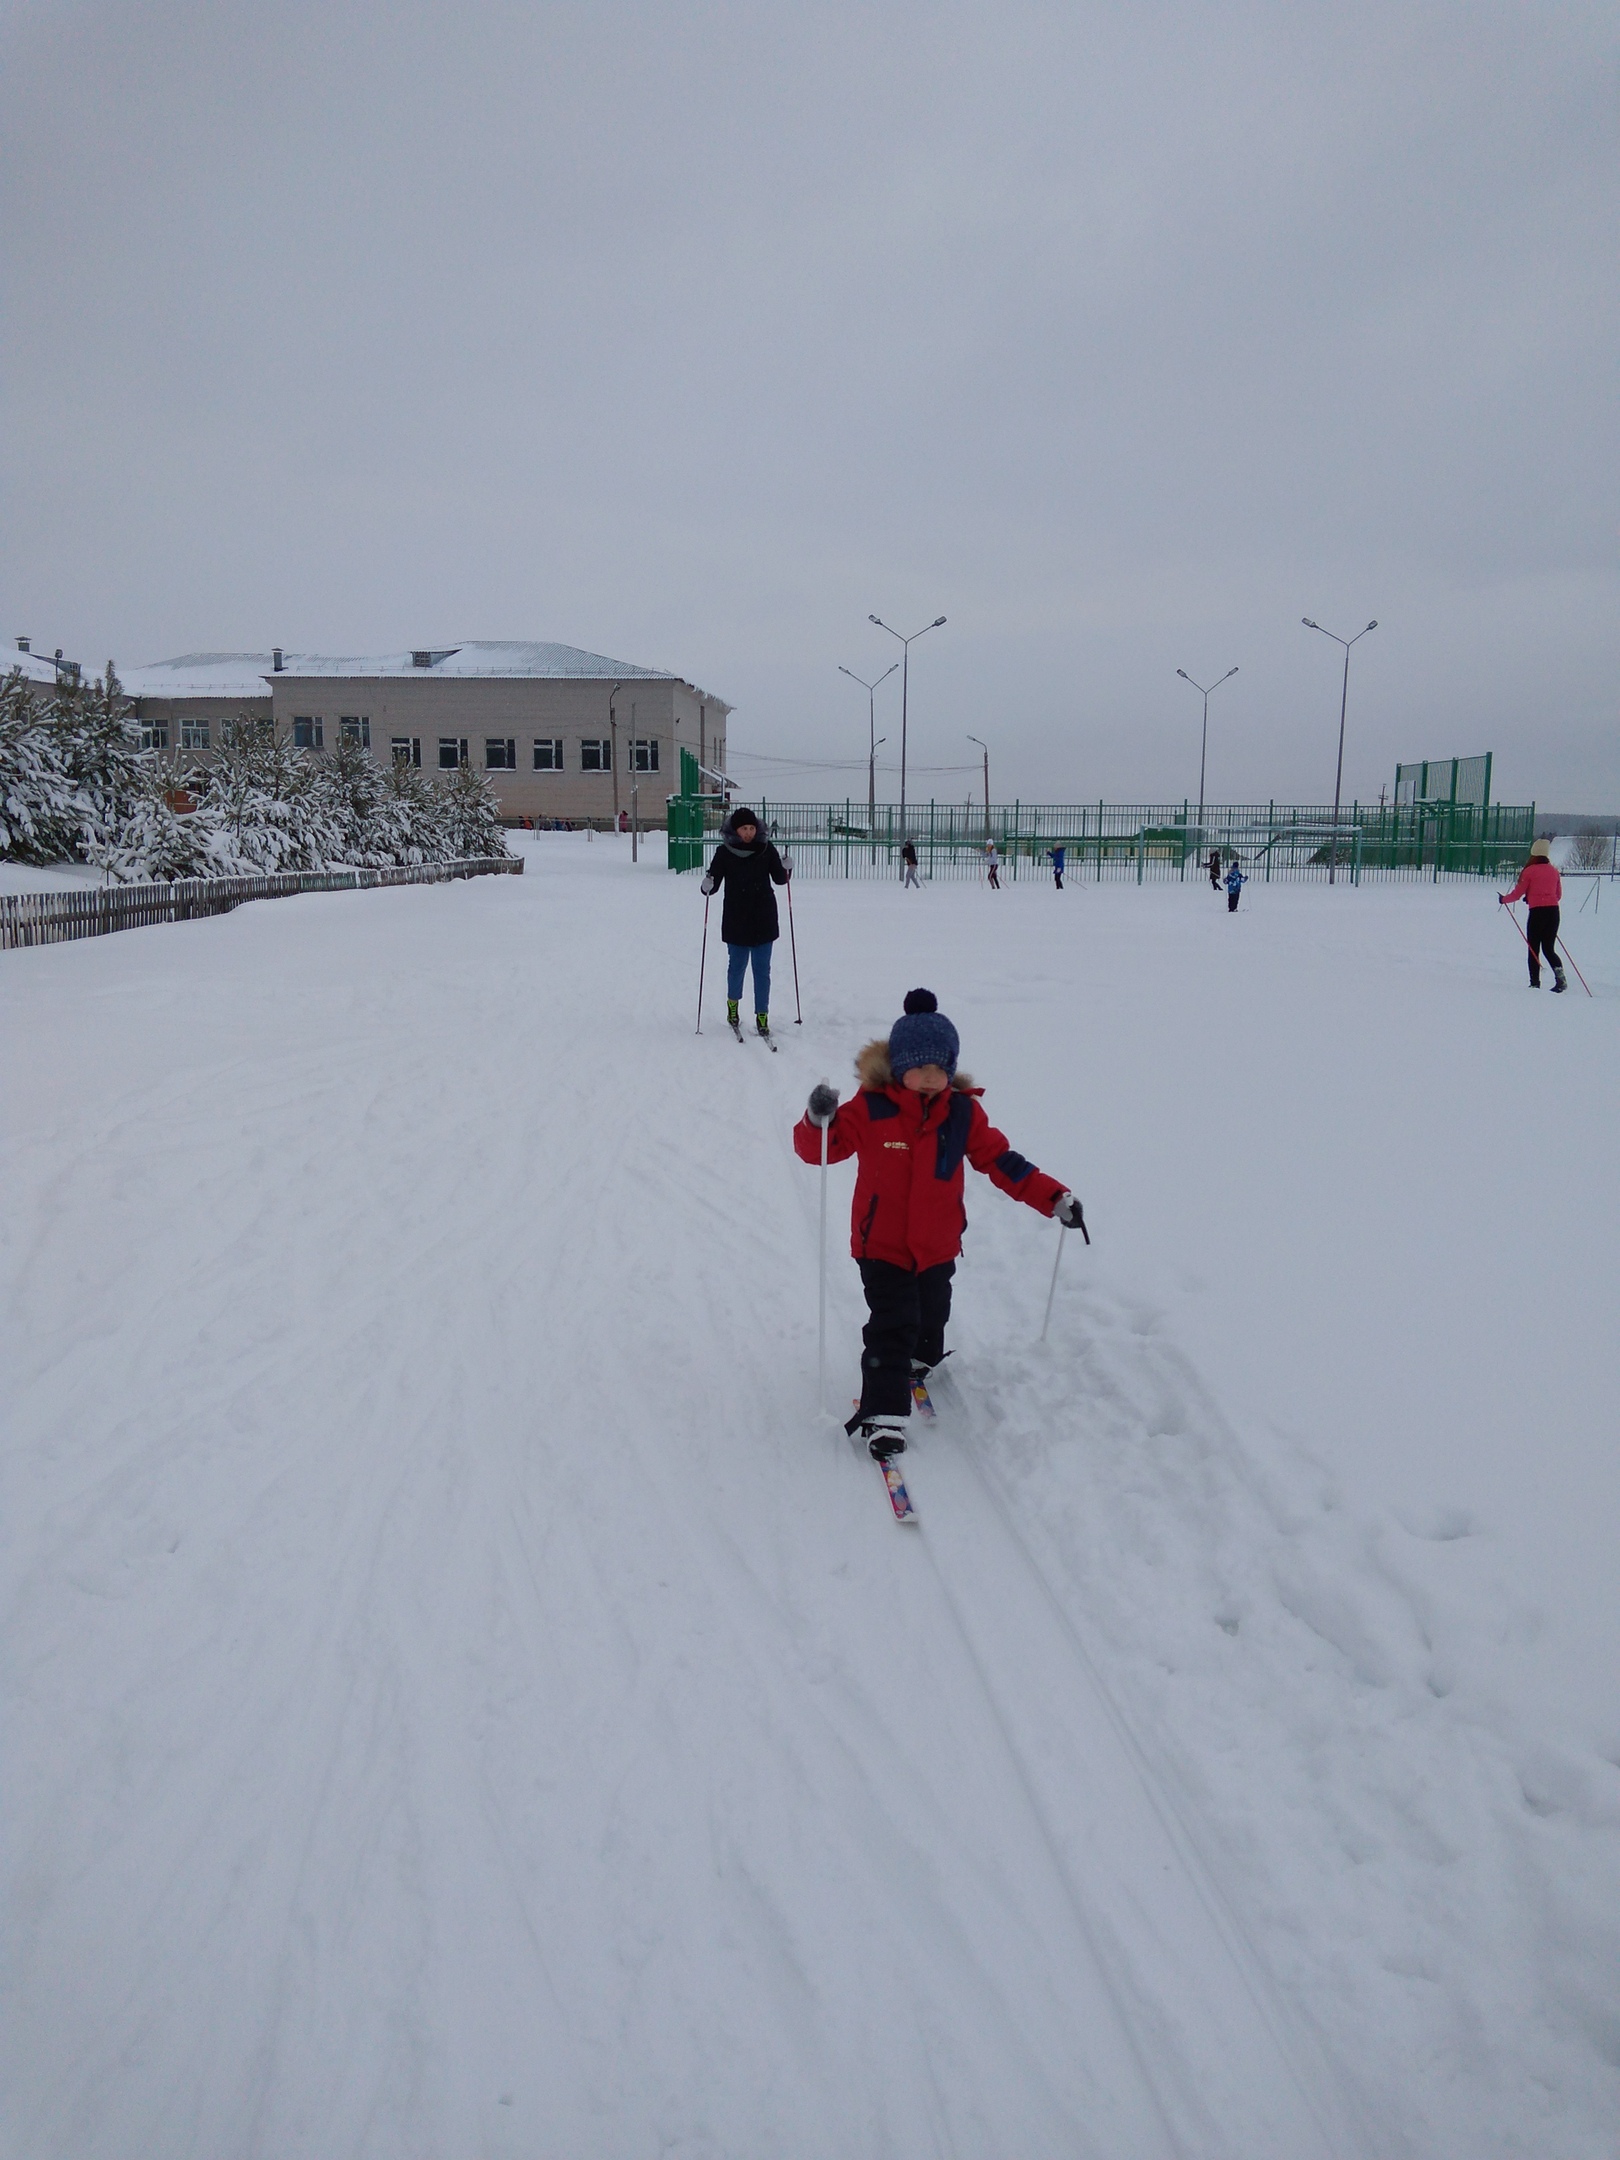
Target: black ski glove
(1067, 1210)
(823, 1104)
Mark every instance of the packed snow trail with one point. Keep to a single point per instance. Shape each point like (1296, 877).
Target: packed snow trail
(464, 1699)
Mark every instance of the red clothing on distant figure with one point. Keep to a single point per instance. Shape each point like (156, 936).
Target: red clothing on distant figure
(1539, 883)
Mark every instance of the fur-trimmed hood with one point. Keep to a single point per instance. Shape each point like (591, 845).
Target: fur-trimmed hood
(872, 1069)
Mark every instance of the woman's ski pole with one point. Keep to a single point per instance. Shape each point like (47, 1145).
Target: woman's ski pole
(793, 947)
(1052, 1293)
(821, 1324)
(702, 958)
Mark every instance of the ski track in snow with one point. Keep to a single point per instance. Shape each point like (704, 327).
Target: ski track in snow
(463, 1699)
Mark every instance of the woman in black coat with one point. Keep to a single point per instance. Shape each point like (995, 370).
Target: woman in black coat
(747, 866)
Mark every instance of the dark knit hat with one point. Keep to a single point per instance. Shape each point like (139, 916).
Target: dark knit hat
(923, 1036)
(741, 817)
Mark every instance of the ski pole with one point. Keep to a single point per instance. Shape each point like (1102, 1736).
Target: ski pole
(821, 1324)
(1052, 1293)
(793, 947)
(702, 957)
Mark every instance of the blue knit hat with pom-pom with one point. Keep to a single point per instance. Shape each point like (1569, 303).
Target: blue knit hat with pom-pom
(923, 1036)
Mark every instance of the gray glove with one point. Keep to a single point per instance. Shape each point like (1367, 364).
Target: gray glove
(823, 1104)
(1067, 1210)
(709, 885)
(787, 864)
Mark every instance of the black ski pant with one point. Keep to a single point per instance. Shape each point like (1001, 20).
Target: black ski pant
(1541, 934)
(908, 1309)
(1231, 903)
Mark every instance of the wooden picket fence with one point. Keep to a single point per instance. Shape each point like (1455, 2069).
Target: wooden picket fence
(49, 918)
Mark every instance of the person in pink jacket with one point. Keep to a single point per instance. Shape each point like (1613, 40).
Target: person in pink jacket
(1540, 884)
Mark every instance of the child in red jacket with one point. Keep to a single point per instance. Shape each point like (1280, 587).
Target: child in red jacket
(914, 1123)
(1540, 884)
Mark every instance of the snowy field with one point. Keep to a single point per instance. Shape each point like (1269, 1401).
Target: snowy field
(462, 1700)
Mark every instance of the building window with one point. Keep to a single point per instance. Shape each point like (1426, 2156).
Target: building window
(356, 730)
(407, 749)
(452, 752)
(500, 753)
(548, 753)
(309, 734)
(154, 734)
(194, 734)
(644, 755)
(596, 754)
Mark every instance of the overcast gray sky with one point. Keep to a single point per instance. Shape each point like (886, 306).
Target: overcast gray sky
(1123, 336)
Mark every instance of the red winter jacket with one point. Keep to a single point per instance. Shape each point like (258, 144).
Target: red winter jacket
(908, 1193)
(1539, 883)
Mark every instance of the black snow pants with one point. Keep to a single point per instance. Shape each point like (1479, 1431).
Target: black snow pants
(908, 1309)
(1541, 931)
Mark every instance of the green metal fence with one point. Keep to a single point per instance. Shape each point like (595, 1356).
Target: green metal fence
(1139, 841)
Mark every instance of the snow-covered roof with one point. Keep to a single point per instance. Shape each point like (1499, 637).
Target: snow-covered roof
(504, 657)
(204, 674)
(243, 674)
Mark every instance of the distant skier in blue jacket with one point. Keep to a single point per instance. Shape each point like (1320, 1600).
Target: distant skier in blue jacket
(1235, 882)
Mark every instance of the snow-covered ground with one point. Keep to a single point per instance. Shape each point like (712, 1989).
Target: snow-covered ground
(49, 878)
(462, 1699)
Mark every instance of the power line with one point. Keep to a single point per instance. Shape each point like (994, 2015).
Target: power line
(761, 757)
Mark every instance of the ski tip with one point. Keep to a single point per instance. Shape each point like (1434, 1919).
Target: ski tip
(899, 1498)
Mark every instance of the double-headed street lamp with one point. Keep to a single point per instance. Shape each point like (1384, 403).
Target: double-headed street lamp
(872, 739)
(985, 747)
(905, 673)
(1344, 699)
(1203, 744)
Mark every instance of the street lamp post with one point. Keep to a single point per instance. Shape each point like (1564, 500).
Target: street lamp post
(905, 676)
(1203, 744)
(613, 749)
(871, 787)
(871, 738)
(985, 747)
(1344, 699)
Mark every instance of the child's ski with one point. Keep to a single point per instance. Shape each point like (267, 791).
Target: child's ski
(894, 1482)
(921, 1397)
(899, 1498)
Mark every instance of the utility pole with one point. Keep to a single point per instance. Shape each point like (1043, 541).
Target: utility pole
(613, 749)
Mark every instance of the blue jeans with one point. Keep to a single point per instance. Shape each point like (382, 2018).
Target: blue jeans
(738, 957)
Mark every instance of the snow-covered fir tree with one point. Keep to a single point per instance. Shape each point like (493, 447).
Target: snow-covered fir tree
(42, 810)
(470, 816)
(100, 747)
